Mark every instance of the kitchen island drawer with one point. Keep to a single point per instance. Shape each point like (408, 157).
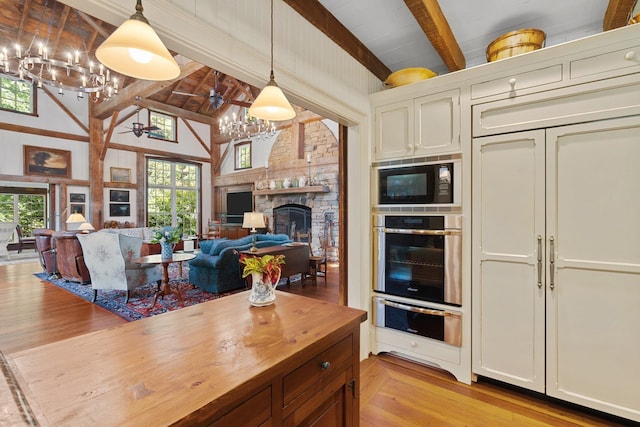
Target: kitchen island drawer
(317, 369)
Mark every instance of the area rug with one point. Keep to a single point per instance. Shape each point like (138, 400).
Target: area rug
(141, 299)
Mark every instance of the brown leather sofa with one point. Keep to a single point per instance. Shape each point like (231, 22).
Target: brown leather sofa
(45, 245)
(70, 259)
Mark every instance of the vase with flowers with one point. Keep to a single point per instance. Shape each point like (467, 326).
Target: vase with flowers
(265, 274)
(167, 237)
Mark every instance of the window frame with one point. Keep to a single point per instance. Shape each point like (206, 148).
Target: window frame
(33, 96)
(237, 155)
(173, 189)
(174, 121)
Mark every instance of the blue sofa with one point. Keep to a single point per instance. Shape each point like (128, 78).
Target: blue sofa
(217, 268)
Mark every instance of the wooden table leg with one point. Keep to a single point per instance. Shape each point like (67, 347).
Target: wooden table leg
(165, 287)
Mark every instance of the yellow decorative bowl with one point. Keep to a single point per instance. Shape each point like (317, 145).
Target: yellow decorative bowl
(408, 75)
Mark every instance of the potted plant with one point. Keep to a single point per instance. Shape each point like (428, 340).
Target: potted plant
(167, 237)
(265, 274)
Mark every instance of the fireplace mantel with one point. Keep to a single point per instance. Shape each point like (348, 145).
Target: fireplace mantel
(292, 190)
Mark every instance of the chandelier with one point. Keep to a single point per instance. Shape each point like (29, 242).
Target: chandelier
(75, 71)
(245, 126)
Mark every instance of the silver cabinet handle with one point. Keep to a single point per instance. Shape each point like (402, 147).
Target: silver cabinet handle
(539, 261)
(551, 262)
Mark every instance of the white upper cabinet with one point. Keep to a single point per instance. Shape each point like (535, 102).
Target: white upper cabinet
(418, 127)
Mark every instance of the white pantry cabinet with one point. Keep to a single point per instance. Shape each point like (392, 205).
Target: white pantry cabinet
(556, 262)
(421, 126)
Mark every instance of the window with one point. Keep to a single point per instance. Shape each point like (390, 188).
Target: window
(173, 195)
(167, 125)
(16, 95)
(26, 206)
(243, 155)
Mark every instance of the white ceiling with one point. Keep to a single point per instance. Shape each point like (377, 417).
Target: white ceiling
(389, 30)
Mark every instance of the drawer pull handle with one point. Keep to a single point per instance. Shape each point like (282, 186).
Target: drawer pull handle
(631, 56)
(325, 365)
(512, 82)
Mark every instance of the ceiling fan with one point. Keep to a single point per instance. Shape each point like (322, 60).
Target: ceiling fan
(216, 98)
(137, 127)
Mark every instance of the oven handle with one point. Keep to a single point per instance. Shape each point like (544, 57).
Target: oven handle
(423, 232)
(420, 310)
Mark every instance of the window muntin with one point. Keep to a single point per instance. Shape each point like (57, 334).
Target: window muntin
(167, 125)
(16, 95)
(242, 155)
(173, 195)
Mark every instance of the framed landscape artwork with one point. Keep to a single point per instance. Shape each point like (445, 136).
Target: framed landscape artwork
(120, 175)
(47, 162)
(119, 209)
(119, 196)
(77, 197)
(76, 208)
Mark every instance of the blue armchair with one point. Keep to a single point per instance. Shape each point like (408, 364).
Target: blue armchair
(217, 268)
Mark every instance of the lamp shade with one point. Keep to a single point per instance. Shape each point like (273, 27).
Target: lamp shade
(86, 227)
(271, 104)
(253, 220)
(76, 218)
(135, 50)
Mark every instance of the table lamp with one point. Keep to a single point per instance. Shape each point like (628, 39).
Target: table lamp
(253, 220)
(75, 220)
(86, 227)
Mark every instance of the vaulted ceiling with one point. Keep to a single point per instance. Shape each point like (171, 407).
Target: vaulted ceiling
(383, 35)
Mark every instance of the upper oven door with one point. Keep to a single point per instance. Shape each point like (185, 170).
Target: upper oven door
(422, 264)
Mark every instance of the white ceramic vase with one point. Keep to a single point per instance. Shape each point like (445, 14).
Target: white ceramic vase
(262, 291)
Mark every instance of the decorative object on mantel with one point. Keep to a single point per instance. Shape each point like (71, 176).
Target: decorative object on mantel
(265, 274)
(514, 43)
(271, 104)
(167, 237)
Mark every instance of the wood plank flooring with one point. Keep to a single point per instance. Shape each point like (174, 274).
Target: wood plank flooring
(393, 392)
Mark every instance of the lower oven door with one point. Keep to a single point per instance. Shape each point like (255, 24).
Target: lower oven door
(441, 325)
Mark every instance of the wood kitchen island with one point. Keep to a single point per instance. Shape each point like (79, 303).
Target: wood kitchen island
(218, 363)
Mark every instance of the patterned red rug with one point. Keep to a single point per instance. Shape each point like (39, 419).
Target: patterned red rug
(141, 299)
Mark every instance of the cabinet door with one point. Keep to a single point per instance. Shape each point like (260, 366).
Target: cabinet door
(507, 221)
(437, 123)
(394, 130)
(593, 309)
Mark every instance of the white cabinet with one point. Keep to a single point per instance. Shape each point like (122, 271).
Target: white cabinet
(556, 262)
(418, 127)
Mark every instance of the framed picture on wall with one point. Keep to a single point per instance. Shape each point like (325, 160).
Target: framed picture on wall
(77, 208)
(120, 175)
(119, 209)
(77, 198)
(119, 196)
(47, 162)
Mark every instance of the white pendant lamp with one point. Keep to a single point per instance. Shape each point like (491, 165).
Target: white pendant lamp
(135, 50)
(272, 104)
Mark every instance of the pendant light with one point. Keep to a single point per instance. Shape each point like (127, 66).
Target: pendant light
(272, 104)
(135, 50)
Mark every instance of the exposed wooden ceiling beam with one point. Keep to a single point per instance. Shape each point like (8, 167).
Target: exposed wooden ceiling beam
(176, 111)
(314, 12)
(618, 14)
(436, 28)
(142, 88)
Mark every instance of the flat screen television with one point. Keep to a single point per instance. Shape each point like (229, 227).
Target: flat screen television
(237, 204)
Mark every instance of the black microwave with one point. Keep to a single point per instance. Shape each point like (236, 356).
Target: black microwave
(416, 185)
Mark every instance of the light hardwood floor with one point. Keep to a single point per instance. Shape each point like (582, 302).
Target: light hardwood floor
(393, 392)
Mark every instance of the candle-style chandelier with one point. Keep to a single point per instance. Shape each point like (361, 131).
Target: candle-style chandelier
(244, 126)
(75, 71)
